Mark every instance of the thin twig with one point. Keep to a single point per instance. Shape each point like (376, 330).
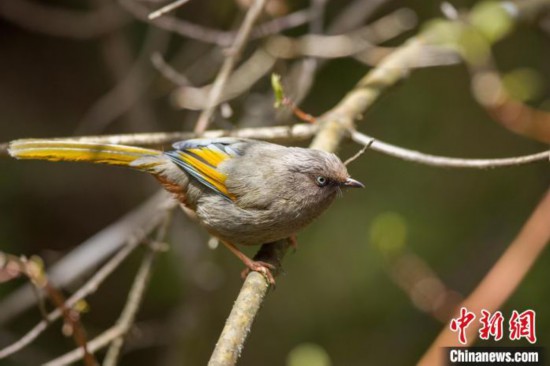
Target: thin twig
(334, 126)
(127, 91)
(303, 132)
(94, 345)
(214, 36)
(299, 113)
(168, 71)
(446, 162)
(135, 296)
(292, 134)
(358, 154)
(240, 81)
(35, 273)
(166, 9)
(502, 279)
(358, 41)
(136, 224)
(229, 64)
(61, 22)
(88, 288)
(127, 317)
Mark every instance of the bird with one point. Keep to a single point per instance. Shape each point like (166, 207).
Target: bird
(242, 191)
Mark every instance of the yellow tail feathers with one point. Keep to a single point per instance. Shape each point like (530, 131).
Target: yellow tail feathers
(54, 150)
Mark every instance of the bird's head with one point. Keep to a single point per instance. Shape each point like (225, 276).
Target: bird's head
(320, 176)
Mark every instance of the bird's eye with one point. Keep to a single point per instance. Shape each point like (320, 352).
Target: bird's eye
(321, 181)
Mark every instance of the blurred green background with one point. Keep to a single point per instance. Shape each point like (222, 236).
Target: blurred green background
(339, 302)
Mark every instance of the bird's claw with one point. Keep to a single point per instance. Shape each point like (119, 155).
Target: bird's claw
(261, 267)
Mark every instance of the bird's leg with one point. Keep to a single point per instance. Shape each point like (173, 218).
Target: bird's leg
(258, 266)
(293, 241)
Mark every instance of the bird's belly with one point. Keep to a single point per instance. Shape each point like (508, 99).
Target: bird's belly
(231, 223)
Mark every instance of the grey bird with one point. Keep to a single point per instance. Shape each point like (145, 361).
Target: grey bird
(244, 192)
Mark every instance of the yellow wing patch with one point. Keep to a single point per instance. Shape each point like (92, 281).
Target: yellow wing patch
(202, 164)
(212, 157)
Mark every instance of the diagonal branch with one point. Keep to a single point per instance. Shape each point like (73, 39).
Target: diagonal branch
(117, 333)
(135, 225)
(502, 280)
(89, 287)
(61, 22)
(229, 64)
(334, 127)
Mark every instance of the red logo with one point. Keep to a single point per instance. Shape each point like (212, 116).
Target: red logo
(491, 325)
(523, 326)
(461, 323)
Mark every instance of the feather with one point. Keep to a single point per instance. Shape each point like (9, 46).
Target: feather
(201, 159)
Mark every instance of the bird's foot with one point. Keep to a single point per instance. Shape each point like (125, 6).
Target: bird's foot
(263, 268)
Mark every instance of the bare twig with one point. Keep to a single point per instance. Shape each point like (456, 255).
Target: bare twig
(413, 275)
(358, 154)
(294, 133)
(135, 296)
(516, 116)
(94, 345)
(168, 71)
(59, 22)
(248, 73)
(503, 278)
(214, 36)
(303, 132)
(280, 24)
(136, 224)
(354, 42)
(127, 91)
(229, 63)
(166, 9)
(246, 307)
(122, 327)
(446, 162)
(334, 125)
(88, 288)
(232, 338)
(353, 15)
(33, 270)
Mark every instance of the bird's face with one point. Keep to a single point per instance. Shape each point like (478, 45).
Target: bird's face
(320, 176)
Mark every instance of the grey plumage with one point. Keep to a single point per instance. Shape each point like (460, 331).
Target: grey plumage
(275, 188)
(243, 191)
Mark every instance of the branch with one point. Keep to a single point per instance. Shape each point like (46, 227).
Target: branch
(127, 317)
(294, 133)
(334, 126)
(136, 225)
(446, 162)
(166, 9)
(246, 307)
(229, 64)
(502, 280)
(214, 36)
(240, 81)
(59, 22)
(343, 45)
(33, 270)
(89, 288)
(127, 91)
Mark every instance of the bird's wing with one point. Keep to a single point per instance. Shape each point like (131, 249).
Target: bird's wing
(201, 158)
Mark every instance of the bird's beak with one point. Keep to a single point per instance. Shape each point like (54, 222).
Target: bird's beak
(352, 183)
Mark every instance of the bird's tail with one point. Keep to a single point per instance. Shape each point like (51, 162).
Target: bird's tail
(56, 150)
